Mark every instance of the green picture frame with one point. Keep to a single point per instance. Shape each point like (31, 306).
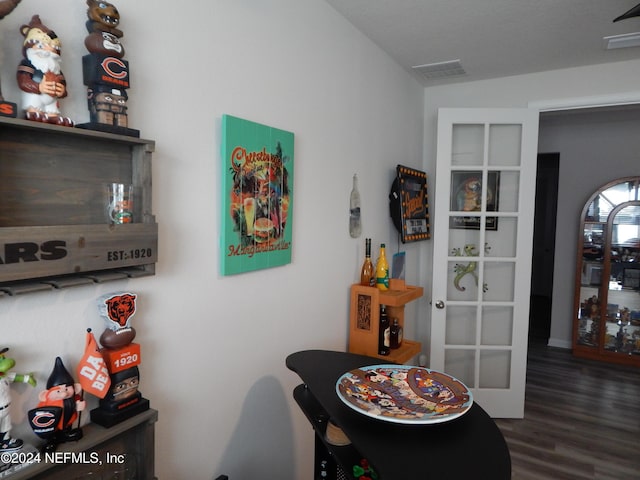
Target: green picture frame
(257, 196)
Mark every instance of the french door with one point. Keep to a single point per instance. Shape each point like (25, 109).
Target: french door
(483, 237)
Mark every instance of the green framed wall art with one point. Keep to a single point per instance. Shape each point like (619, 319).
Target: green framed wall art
(257, 177)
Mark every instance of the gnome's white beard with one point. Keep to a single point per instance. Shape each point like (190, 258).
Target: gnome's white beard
(43, 60)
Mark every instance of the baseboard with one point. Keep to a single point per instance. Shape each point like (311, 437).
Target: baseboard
(558, 343)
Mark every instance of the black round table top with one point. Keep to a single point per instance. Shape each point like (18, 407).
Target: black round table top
(468, 447)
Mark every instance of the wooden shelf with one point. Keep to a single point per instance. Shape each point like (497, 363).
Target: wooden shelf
(399, 294)
(53, 221)
(131, 442)
(406, 352)
(365, 318)
(345, 456)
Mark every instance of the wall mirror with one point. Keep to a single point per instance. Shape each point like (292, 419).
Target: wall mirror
(607, 293)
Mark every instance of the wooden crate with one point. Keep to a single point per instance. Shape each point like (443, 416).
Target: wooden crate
(35, 252)
(53, 219)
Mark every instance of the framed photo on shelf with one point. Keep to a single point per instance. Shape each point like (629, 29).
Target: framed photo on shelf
(466, 196)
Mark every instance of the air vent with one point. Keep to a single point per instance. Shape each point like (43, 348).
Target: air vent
(622, 41)
(452, 68)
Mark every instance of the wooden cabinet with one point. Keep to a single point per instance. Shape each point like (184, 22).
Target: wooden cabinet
(100, 453)
(54, 231)
(364, 319)
(607, 294)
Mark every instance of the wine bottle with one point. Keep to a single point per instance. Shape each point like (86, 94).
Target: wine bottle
(367, 276)
(384, 333)
(382, 270)
(395, 334)
(355, 226)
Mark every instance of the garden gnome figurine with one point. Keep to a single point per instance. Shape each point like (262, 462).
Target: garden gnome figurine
(59, 405)
(40, 75)
(7, 109)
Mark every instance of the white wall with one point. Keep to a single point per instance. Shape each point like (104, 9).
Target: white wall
(214, 347)
(579, 86)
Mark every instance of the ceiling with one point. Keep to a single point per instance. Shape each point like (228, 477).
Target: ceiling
(492, 38)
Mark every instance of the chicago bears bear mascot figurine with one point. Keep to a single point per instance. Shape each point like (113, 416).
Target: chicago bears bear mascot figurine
(58, 409)
(7, 109)
(116, 311)
(105, 72)
(122, 357)
(40, 74)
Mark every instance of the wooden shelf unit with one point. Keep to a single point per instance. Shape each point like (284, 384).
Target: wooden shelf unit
(606, 320)
(100, 450)
(53, 223)
(364, 319)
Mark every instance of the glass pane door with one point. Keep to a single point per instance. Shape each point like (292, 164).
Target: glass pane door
(483, 226)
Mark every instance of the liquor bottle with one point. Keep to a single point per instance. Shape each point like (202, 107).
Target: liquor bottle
(355, 226)
(395, 334)
(382, 270)
(367, 276)
(384, 334)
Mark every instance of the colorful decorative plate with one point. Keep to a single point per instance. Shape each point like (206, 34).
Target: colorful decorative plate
(404, 394)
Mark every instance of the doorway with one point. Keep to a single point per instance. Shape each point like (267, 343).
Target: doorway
(544, 235)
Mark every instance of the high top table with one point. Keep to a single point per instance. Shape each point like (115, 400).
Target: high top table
(468, 447)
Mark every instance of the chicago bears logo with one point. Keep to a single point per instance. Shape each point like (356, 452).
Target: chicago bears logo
(120, 308)
(43, 419)
(115, 67)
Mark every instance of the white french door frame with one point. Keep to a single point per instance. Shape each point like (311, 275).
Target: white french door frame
(505, 401)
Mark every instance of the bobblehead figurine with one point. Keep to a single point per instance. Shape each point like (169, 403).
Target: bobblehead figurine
(122, 357)
(7, 443)
(40, 74)
(59, 405)
(7, 109)
(105, 72)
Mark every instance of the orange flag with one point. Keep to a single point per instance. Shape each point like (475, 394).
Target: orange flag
(92, 369)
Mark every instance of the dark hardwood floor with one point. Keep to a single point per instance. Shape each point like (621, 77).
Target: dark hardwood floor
(581, 421)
